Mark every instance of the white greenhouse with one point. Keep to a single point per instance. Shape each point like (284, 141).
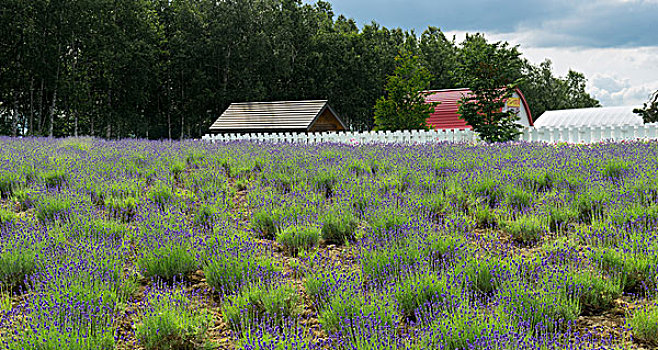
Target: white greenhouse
(602, 116)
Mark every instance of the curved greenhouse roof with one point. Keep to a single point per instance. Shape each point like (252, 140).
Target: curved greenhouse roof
(600, 116)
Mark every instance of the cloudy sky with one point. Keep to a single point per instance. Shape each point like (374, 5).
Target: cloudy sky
(613, 42)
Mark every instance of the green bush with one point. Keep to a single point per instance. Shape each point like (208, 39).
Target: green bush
(379, 265)
(560, 217)
(644, 324)
(171, 322)
(537, 181)
(55, 178)
(8, 183)
(636, 271)
(167, 261)
(22, 199)
(320, 285)
(349, 312)
(294, 238)
(485, 216)
(7, 216)
(485, 275)
(177, 168)
(615, 168)
(595, 292)
(462, 328)
(227, 273)
(261, 305)
(122, 208)
(518, 198)
(424, 291)
(16, 263)
(265, 223)
(161, 195)
(337, 227)
(386, 224)
(547, 309)
(204, 216)
(51, 208)
(525, 229)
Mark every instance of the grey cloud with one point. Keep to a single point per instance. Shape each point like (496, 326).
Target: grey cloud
(545, 23)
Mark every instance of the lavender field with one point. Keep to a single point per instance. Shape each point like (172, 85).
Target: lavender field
(189, 245)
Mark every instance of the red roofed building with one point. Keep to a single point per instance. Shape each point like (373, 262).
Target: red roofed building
(446, 115)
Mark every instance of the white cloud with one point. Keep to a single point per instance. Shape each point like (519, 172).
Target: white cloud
(616, 76)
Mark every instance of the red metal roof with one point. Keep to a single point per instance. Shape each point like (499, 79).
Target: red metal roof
(446, 114)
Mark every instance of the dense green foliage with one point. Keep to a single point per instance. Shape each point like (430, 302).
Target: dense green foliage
(403, 107)
(649, 110)
(491, 71)
(167, 69)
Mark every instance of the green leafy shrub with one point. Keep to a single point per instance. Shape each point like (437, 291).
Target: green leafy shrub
(228, 273)
(525, 229)
(259, 304)
(320, 285)
(264, 223)
(7, 216)
(167, 261)
(545, 310)
(489, 191)
(615, 168)
(338, 227)
(16, 263)
(485, 216)
(378, 265)
(595, 292)
(537, 181)
(462, 328)
(485, 275)
(50, 208)
(350, 312)
(55, 178)
(23, 199)
(424, 290)
(204, 215)
(560, 217)
(518, 198)
(590, 206)
(386, 224)
(636, 271)
(294, 238)
(122, 208)
(177, 168)
(325, 182)
(8, 183)
(644, 324)
(170, 321)
(161, 195)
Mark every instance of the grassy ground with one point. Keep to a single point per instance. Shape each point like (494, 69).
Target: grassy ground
(159, 245)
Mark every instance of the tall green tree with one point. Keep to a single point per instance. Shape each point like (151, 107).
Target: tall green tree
(544, 91)
(649, 112)
(403, 107)
(491, 71)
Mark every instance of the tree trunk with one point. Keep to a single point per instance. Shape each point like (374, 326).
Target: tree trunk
(41, 110)
(108, 129)
(91, 119)
(14, 118)
(52, 104)
(51, 114)
(75, 123)
(31, 123)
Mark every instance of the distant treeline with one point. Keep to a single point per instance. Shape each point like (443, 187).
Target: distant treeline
(168, 68)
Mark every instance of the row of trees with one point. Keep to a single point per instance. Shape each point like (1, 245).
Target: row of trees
(168, 68)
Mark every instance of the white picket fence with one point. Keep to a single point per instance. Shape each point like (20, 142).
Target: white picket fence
(590, 134)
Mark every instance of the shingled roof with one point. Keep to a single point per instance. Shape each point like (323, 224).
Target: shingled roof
(300, 116)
